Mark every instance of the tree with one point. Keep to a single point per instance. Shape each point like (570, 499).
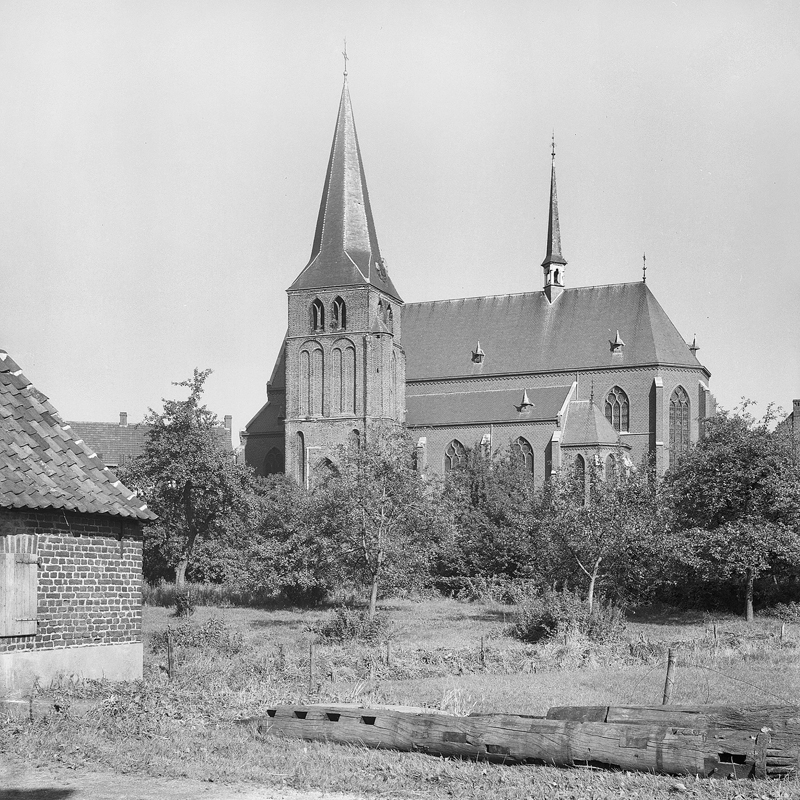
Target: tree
(736, 500)
(610, 532)
(186, 476)
(379, 517)
(495, 507)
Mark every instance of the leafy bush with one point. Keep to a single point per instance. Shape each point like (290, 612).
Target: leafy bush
(349, 624)
(213, 634)
(786, 612)
(184, 606)
(565, 614)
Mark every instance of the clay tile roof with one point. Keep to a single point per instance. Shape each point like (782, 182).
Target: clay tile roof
(523, 333)
(585, 426)
(118, 444)
(345, 250)
(44, 464)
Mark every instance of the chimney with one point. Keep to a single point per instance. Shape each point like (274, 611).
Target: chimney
(123, 419)
(228, 422)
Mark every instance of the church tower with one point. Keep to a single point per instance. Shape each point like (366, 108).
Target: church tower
(345, 366)
(554, 263)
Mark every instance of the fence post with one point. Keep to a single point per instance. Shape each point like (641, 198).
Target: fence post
(388, 652)
(170, 655)
(669, 683)
(483, 652)
(311, 654)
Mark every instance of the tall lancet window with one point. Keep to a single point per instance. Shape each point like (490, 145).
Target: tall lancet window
(678, 423)
(524, 451)
(618, 410)
(339, 315)
(393, 385)
(317, 381)
(317, 315)
(336, 381)
(301, 458)
(305, 383)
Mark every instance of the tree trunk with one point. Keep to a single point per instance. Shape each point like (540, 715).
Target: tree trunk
(180, 573)
(592, 582)
(748, 595)
(373, 595)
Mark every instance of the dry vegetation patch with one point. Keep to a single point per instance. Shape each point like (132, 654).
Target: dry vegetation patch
(233, 663)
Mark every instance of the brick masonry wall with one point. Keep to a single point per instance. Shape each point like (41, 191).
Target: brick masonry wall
(89, 578)
(637, 382)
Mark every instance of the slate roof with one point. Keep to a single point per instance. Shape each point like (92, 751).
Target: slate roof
(501, 405)
(525, 333)
(586, 426)
(117, 444)
(345, 250)
(43, 464)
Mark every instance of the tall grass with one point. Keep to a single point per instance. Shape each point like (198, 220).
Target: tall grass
(219, 595)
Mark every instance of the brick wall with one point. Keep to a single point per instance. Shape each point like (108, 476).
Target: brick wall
(89, 577)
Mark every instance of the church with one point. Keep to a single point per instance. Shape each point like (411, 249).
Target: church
(594, 375)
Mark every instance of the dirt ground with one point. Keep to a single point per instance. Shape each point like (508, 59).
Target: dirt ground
(19, 781)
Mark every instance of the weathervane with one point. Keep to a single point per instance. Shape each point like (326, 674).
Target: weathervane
(644, 267)
(553, 145)
(344, 53)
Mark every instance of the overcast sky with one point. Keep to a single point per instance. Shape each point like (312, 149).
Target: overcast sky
(161, 166)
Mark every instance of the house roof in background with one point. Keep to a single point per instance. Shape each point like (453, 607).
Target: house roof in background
(44, 464)
(117, 443)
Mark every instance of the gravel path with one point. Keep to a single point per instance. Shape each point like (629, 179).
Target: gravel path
(19, 781)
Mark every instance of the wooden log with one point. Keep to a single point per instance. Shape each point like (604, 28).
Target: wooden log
(755, 740)
(713, 741)
(504, 738)
(743, 717)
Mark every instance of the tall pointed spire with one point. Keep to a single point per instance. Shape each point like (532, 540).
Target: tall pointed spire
(345, 250)
(554, 262)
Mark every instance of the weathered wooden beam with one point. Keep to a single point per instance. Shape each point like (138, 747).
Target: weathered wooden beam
(719, 741)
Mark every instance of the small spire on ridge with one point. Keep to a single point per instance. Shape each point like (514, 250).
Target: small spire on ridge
(554, 262)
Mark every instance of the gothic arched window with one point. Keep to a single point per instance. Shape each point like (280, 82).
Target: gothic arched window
(317, 315)
(524, 451)
(273, 463)
(678, 422)
(305, 383)
(389, 318)
(455, 456)
(312, 380)
(580, 469)
(354, 439)
(611, 468)
(617, 409)
(339, 314)
(301, 458)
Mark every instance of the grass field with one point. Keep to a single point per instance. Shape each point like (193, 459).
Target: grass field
(235, 662)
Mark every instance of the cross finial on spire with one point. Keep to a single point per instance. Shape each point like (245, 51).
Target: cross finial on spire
(644, 267)
(553, 145)
(344, 53)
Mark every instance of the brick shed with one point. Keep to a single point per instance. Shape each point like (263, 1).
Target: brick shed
(70, 550)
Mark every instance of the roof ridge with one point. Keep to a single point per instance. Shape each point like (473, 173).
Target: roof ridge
(522, 294)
